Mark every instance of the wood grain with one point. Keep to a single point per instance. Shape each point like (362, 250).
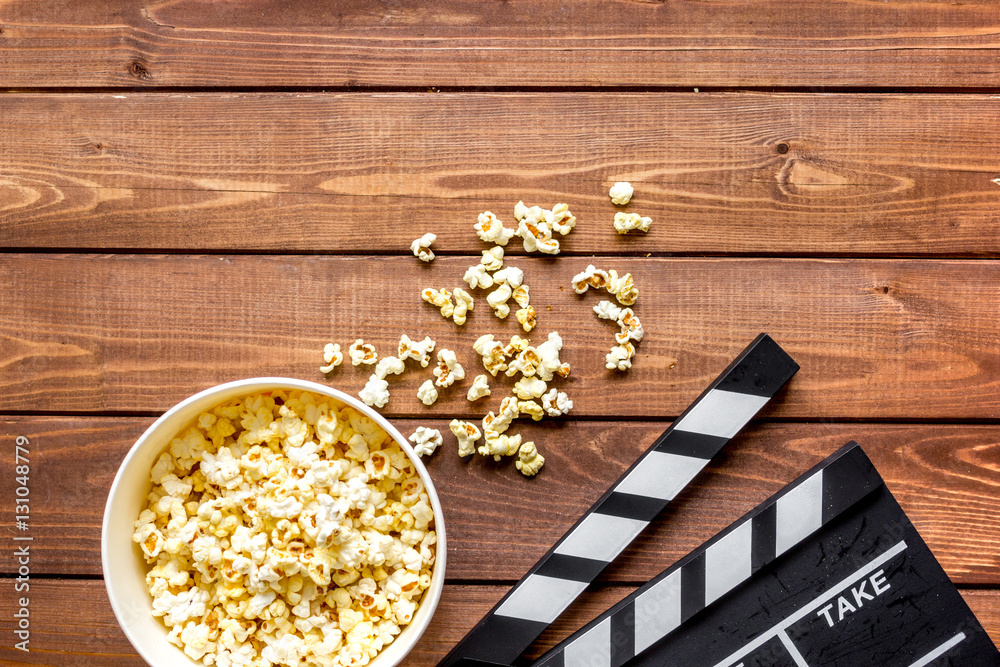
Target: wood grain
(797, 174)
(875, 339)
(532, 43)
(498, 524)
(90, 637)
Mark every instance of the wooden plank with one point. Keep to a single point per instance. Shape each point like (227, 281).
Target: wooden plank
(718, 173)
(531, 43)
(90, 636)
(499, 523)
(876, 339)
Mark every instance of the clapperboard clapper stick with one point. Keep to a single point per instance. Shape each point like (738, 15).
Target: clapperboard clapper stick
(829, 572)
(659, 475)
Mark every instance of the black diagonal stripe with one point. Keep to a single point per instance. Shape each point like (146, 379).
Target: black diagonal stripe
(763, 532)
(686, 443)
(573, 568)
(631, 506)
(623, 635)
(761, 370)
(847, 480)
(693, 587)
(557, 659)
(497, 635)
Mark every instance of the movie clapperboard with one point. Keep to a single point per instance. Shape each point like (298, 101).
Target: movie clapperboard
(828, 572)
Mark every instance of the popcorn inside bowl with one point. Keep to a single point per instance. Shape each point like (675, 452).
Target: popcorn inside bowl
(285, 528)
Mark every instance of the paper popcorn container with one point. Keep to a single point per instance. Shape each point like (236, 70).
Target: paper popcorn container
(122, 560)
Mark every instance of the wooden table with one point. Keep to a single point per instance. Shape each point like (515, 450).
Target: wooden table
(193, 192)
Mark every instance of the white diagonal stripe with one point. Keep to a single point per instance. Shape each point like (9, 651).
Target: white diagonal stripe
(592, 649)
(727, 562)
(540, 598)
(661, 475)
(799, 513)
(657, 611)
(721, 413)
(600, 537)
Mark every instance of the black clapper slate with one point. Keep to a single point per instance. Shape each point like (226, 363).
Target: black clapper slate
(829, 572)
(668, 466)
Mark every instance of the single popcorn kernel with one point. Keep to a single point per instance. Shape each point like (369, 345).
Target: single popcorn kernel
(422, 247)
(467, 434)
(479, 389)
(332, 356)
(492, 258)
(425, 442)
(491, 230)
(529, 461)
(463, 304)
(448, 369)
(621, 193)
(626, 222)
(427, 393)
(362, 353)
(304, 536)
(441, 299)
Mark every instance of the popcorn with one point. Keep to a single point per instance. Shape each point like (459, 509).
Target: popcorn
(560, 219)
(497, 299)
(492, 352)
(441, 299)
(526, 363)
(590, 277)
(387, 365)
(549, 363)
(510, 275)
(527, 317)
(425, 441)
(529, 461)
(620, 357)
(520, 295)
(626, 222)
(606, 310)
(492, 258)
(467, 435)
(537, 238)
(427, 393)
(631, 327)
(498, 445)
(480, 388)
(529, 387)
(332, 356)
(532, 409)
(623, 288)
(362, 353)
(491, 230)
(422, 247)
(500, 423)
(478, 276)
(448, 369)
(254, 568)
(376, 392)
(463, 304)
(417, 350)
(556, 403)
(621, 193)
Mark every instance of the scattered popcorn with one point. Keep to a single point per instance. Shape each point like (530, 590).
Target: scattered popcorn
(631, 327)
(497, 299)
(387, 365)
(332, 356)
(480, 388)
(620, 357)
(606, 310)
(492, 258)
(532, 409)
(526, 363)
(375, 393)
(498, 445)
(478, 276)
(591, 277)
(621, 193)
(626, 222)
(441, 299)
(491, 230)
(427, 393)
(463, 304)
(549, 363)
(527, 318)
(492, 352)
(529, 387)
(521, 296)
(556, 403)
(422, 247)
(623, 288)
(497, 424)
(418, 351)
(537, 239)
(516, 345)
(425, 440)
(560, 219)
(529, 461)
(303, 536)
(510, 275)
(448, 369)
(467, 435)
(362, 353)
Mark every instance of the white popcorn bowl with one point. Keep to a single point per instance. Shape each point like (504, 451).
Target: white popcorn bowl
(125, 568)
